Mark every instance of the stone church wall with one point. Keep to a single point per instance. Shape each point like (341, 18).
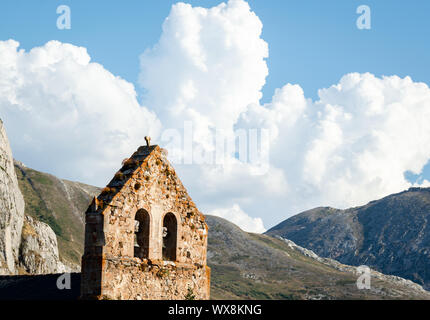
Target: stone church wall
(147, 184)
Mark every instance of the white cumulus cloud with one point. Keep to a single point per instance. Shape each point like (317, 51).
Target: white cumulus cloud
(236, 215)
(67, 115)
(207, 68)
(351, 146)
(208, 65)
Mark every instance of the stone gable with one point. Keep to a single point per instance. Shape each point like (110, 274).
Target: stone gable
(144, 236)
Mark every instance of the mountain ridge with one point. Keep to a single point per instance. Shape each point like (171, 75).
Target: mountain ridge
(391, 234)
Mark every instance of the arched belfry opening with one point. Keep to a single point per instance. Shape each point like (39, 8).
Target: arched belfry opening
(141, 234)
(170, 232)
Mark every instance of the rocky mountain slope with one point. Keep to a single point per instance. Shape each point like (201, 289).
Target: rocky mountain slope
(254, 266)
(26, 245)
(59, 203)
(391, 235)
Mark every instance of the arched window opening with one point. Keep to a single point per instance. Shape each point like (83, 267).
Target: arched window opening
(170, 230)
(141, 234)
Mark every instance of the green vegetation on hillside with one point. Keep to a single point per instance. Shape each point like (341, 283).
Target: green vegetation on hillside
(60, 204)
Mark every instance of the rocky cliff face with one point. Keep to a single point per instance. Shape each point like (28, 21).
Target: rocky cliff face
(39, 249)
(391, 235)
(26, 245)
(11, 209)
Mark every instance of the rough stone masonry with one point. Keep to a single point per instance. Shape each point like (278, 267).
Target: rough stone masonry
(144, 236)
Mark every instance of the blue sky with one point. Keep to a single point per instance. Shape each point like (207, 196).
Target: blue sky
(312, 43)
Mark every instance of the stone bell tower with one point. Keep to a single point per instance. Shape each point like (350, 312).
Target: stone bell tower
(144, 236)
